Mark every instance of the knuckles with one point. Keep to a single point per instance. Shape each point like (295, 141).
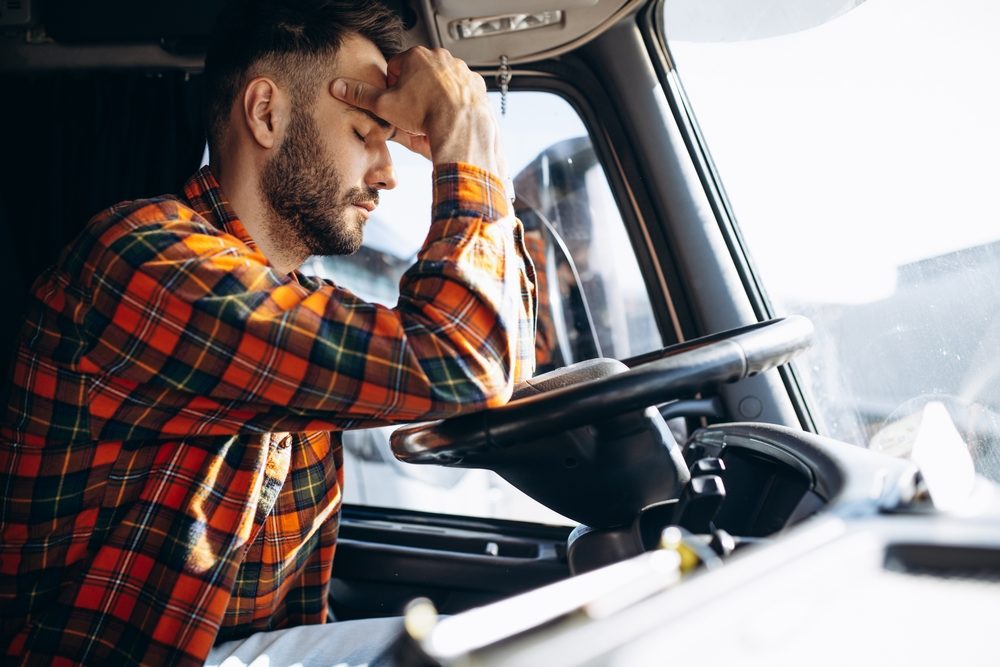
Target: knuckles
(429, 84)
(357, 92)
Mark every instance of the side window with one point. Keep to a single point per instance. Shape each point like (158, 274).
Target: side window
(593, 301)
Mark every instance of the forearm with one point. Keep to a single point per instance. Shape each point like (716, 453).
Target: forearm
(469, 136)
(476, 244)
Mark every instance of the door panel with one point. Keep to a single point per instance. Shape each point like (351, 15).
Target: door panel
(386, 557)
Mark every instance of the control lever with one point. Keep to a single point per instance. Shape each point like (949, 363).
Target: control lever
(722, 543)
(700, 502)
(710, 465)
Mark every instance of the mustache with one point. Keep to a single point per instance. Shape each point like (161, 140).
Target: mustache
(362, 196)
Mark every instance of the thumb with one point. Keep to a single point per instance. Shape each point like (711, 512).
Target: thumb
(356, 93)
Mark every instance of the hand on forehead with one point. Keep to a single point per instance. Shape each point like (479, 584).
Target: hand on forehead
(358, 59)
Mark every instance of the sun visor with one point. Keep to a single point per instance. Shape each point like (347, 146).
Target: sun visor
(456, 9)
(480, 32)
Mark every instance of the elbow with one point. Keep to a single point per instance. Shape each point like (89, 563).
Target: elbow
(475, 382)
(498, 386)
(501, 373)
(493, 379)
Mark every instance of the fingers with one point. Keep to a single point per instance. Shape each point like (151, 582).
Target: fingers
(417, 143)
(357, 93)
(425, 89)
(393, 69)
(363, 95)
(435, 96)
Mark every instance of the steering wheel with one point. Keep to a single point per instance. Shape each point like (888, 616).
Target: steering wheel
(670, 373)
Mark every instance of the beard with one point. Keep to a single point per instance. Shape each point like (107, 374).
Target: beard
(302, 188)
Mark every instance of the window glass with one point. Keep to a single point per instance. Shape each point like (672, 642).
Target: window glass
(857, 143)
(593, 301)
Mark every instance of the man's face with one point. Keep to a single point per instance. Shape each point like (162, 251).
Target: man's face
(323, 183)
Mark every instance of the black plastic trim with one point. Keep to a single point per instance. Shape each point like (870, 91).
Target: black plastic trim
(850, 479)
(659, 50)
(391, 555)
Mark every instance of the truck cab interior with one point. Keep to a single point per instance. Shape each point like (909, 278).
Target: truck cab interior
(709, 461)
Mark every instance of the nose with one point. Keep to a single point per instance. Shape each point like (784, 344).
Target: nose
(381, 175)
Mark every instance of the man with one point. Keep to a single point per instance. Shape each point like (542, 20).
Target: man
(170, 480)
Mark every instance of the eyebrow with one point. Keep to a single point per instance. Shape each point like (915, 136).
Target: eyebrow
(381, 122)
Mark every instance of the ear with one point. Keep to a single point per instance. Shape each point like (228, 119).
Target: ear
(265, 111)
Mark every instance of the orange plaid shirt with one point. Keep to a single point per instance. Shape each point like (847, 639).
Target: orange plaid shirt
(169, 476)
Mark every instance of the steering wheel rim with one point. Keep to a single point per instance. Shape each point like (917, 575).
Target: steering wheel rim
(655, 378)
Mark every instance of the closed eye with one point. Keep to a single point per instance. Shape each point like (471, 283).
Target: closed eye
(358, 135)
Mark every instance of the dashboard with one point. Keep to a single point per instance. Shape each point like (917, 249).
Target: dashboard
(845, 541)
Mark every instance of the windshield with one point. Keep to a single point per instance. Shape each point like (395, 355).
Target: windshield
(858, 146)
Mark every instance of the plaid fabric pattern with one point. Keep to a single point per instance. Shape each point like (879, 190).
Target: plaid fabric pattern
(169, 476)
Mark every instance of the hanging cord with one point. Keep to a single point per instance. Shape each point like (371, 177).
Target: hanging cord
(504, 76)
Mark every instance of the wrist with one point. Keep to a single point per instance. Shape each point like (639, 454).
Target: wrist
(470, 137)
(471, 189)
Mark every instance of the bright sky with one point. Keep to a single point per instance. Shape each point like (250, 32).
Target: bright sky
(854, 147)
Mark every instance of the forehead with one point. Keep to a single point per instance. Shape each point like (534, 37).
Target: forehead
(359, 58)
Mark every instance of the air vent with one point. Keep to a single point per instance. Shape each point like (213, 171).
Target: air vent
(15, 13)
(980, 564)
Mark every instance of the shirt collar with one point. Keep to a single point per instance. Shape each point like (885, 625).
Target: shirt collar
(204, 194)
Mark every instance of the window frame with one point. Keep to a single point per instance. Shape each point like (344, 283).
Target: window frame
(612, 148)
(572, 83)
(654, 40)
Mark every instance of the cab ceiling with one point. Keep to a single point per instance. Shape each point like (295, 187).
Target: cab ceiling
(61, 34)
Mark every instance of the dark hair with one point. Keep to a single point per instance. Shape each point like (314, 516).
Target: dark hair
(286, 39)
